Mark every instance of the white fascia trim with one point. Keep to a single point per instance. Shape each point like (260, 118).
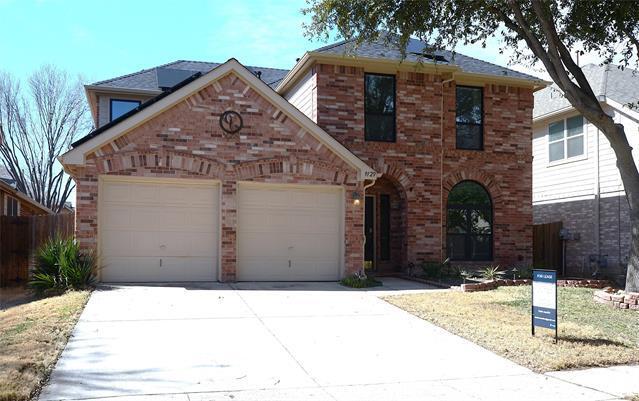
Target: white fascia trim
(622, 108)
(77, 155)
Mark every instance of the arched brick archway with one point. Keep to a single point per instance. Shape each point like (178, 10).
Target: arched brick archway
(145, 162)
(488, 182)
(385, 223)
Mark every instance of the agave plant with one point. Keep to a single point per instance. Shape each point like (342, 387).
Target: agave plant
(491, 273)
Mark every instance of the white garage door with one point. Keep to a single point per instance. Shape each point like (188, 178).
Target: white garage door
(289, 233)
(158, 231)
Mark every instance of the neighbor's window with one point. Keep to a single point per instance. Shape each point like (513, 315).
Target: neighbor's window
(566, 139)
(120, 107)
(379, 107)
(469, 223)
(12, 206)
(470, 118)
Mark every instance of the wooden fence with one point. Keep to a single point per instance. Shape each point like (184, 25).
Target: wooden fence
(547, 252)
(20, 237)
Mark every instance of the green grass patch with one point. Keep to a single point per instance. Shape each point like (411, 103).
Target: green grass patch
(590, 334)
(358, 282)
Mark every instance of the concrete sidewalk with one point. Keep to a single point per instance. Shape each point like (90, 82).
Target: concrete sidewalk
(282, 341)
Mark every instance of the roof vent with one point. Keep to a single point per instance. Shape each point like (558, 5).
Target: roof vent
(422, 50)
(434, 57)
(169, 77)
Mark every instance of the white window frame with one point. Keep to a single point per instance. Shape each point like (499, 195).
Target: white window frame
(6, 204)
(564, 139)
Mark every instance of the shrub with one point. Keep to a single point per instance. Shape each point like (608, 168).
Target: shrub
(432, 269)
(358, 281)
(465, 274)
(523, 272)
(61, 265)
(491, 273)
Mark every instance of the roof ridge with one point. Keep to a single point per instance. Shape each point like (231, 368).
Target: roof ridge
(332, 45)
(215, 62)
(491, 63)
(134, 73)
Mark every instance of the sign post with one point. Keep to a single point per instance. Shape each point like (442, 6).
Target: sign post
(544, 300)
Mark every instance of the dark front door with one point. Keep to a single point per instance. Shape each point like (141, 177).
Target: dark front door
(369, 229)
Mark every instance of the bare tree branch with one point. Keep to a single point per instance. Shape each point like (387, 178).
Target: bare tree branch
(38, 126)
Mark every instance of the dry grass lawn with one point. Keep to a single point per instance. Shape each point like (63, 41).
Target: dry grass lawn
(32, 335)
(590, 334)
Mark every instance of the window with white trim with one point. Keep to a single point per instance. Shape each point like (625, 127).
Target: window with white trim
(566, 139)
(11, 206)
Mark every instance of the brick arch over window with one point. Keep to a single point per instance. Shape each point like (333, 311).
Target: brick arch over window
(489, 183)
(161, 161)
(296, 167)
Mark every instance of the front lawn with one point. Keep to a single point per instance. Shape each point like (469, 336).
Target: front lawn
(32, 335)
(590, 334)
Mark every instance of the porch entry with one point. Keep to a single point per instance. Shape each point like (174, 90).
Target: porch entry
(377, 229)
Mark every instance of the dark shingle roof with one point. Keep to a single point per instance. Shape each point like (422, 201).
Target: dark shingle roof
(148, 80)
(608, 80)
(388, 49)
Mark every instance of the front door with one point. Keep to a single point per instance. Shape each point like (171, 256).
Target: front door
(369, 231)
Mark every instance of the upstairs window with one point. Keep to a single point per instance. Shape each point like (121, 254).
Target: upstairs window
(566, 139)
(11, 206)
(470, 118)
(120, 107)
(379, 108)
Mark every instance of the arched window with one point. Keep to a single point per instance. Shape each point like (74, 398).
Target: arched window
(470, 223)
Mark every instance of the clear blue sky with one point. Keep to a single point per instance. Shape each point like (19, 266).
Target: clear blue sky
(103, 39)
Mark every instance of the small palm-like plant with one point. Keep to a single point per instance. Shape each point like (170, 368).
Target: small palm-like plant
(62, 265)
(465, 274)
(491, 273)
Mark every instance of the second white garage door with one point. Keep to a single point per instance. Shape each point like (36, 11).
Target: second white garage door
(289, 233)
(158, 230)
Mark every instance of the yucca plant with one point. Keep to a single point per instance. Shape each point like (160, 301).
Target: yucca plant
(491, 273)
(62, 265)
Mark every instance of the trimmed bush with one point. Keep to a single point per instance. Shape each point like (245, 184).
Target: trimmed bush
(360, 282)
(62, 265)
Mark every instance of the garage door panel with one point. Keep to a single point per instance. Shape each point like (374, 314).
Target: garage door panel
(155, 232)
(117, 193)
(202, 219)
(289, 233)
(118, 217)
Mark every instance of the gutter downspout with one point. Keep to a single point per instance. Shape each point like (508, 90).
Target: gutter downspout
(597, 197)
(441, 172)
(366, 186)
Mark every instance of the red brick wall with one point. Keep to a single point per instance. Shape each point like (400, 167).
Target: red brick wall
(426, 164)
(186, 141)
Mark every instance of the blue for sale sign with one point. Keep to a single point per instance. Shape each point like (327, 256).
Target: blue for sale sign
(544, 300)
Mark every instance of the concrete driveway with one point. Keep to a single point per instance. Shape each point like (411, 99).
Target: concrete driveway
(280, 341)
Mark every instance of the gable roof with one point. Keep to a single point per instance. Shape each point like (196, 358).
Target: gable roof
(8, 185)
(147, 80)
(607, 82)
(162, 102)
(416, 51)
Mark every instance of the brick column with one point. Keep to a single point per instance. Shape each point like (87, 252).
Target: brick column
(228, 207)
(353, 230)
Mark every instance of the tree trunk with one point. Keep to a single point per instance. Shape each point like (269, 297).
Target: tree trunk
(630, 179)
(632, 276)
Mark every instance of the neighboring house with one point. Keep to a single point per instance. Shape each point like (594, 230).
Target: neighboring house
(14, 202)
(575, 177)
(204, 171)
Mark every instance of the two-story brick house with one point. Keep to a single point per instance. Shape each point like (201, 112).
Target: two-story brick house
(202, 171)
